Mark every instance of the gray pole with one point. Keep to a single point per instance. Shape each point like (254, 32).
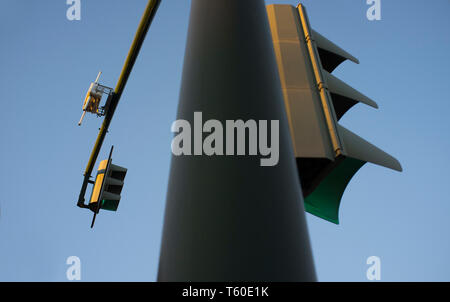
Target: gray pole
(227, 218)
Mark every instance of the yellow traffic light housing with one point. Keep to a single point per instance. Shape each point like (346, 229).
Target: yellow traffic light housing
(327, 154)
(107, 187)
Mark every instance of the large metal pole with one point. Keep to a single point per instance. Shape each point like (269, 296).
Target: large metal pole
(227, 218)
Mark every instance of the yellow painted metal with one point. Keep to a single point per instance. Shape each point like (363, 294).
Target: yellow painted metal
(99, 181)
(92, 100)
(301, 96)
(136, 45)
(149, 12)
(144, 25)
(325, 96)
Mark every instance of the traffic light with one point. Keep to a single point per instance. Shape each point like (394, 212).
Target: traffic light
(108, 186)
(327, 154)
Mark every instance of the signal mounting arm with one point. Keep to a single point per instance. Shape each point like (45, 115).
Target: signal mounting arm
(96, 90)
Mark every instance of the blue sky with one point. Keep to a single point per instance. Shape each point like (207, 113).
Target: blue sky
(47, 63)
